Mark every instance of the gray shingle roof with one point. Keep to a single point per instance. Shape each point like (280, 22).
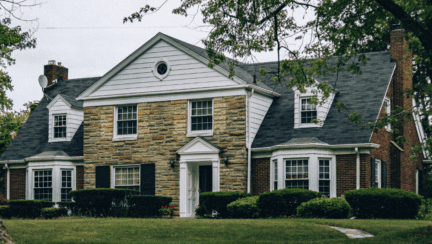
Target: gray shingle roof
(32, 138)
(363, 93)
(75, 103)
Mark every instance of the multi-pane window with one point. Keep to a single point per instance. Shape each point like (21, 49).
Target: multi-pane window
(66, 185)
(275, 175)
(324, 177)
(202, 115)
(127, 120)
(127, 178)
(59, 126)
(308, 111)
(296, 174)
(387, 107)
(43, 185)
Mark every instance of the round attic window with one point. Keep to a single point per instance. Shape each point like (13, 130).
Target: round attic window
(161, 68)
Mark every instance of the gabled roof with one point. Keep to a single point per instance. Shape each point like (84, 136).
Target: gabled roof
(71, 102)
(363, 93)
(241, 76)
(33, 136)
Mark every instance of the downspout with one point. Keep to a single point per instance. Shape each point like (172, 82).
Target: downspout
(8, 182)
(357, 168)
(249, 145)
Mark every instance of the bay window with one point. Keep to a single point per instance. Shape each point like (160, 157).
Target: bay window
(297, 173)
(43, 185)
(324, 177)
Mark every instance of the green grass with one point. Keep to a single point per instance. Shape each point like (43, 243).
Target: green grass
(127, 230)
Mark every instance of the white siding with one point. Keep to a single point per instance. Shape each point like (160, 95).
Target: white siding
(74, 119)
(186, 73)
(259, 105)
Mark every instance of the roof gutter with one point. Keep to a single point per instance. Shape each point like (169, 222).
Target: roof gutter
(39, 159)
(263, 90)
(315, 145)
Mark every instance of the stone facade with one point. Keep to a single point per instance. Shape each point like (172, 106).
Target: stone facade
(162, 129)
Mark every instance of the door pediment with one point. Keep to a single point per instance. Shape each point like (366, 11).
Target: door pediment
(199, 146)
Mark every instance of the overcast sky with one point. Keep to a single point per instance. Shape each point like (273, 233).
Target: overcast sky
(89, 38)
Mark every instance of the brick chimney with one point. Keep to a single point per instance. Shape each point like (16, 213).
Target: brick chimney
(55, 71)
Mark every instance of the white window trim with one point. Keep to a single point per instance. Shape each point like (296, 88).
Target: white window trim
(61, 179)
(387, 110)
(378, 161)
(123, 137)
(191, 133)
(284, 170)
(53, 139)
(113, 167)
(299, 110)
(154, 70)
(330, 173)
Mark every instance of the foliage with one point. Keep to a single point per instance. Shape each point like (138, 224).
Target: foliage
(67, 205)
(331, 41)
(284, 202)
(200, 210)
(4, 212)
(102, 202)
(49, 213)
(146, 205)
(219, 200)
(244, 208)
(27, 208)
(332, 208)
(166, 210)
(383, 203)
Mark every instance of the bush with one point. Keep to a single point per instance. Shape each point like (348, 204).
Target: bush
(67, 205)
(284, 202)
(102, 201)
(332, 208)
(244, 208)
(146, 206)
(49, 213)
(383, 203)
(28, 208)
(219, 200)
(4, 212)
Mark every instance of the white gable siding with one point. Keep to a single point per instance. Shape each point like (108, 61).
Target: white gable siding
(74, 119)
(186, 73)
(259, 105)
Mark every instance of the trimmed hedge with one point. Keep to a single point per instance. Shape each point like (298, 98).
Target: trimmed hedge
(284, 202)
(69, 205)
(28, 208)
(332, 208)
(244, 208)
(146, 205)
(383, 203)
(49, 213)
(102, 201)
(219, 200)
(4, 212)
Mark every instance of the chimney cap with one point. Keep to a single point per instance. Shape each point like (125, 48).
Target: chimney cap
(51, 62)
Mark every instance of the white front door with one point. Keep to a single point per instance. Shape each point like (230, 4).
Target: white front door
(192, 189)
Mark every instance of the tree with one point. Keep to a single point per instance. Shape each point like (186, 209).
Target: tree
(345, 29)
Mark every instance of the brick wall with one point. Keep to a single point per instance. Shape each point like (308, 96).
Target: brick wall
(79, 177)
(365, 171)
(260, 174)
(17, 184)
(162, 128)
(345, 173)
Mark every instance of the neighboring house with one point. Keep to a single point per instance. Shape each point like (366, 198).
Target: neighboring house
(162, 122)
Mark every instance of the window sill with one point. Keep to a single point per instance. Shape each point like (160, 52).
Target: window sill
(58, 139)
(311, 125)
(125, 138)
(199, 133)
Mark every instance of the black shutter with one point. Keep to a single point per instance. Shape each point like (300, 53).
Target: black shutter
(148, 178)
(384, 178)
(373, 172)
(103, 177)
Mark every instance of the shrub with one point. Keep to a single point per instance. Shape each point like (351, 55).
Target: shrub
(102, 201)
(67, 205)
(332, 208)
(4, 212)
(244, 208)
(49, 213)
(146, 206)
(28, 208)
(166, 210)
(284, 202)
(200, 211)
(219, 200)
(383, 203)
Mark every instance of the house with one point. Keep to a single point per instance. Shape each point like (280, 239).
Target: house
(162, 122)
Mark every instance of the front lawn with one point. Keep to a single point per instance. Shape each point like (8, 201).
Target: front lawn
(128, 230)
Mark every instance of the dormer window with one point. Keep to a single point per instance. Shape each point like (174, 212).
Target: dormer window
(60, 126)
(308, 111)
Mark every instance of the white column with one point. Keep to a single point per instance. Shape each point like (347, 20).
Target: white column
(357, 168)
(313, 168)
(56, 184)
(8, 183)
(333, 183)
(281, 173)
(183, 189)
(216, 176)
